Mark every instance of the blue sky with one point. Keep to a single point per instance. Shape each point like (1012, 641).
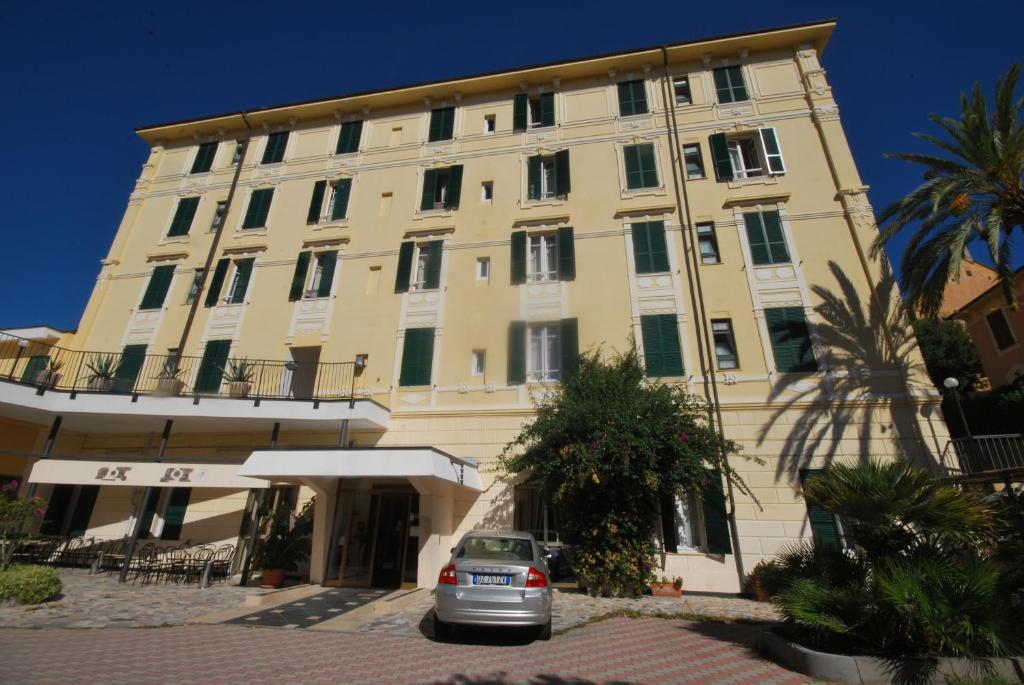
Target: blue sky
(78, 80)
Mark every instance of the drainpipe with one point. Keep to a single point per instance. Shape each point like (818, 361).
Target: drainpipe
(693, 278)
(214, 244)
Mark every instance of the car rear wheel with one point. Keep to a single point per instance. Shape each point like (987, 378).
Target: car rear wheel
(442, 630)
(545, 631)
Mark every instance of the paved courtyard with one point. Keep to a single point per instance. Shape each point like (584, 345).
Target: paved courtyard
(620, 650)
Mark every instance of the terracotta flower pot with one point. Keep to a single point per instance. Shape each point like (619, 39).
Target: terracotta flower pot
(239, 388)
(168, 387)
(272, 577)
(760, 593)
(101, 384)
(665, 590)
(47, 379)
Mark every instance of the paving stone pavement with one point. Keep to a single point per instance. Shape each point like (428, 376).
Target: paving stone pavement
(618, 650)
(573, 608)
(312, 610)
(99, 601)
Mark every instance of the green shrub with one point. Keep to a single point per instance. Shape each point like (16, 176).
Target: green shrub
(29, 584)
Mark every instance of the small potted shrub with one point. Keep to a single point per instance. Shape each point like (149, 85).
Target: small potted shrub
(238, 376)
(102, 369)
(49, 375)
(168, 383)
(765, 579)
(282, 550)
(667, 588)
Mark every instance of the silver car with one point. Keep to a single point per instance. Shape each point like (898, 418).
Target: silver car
(494, 579)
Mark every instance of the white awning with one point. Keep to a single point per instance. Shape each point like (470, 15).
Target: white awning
(382, 462)
(136, 473)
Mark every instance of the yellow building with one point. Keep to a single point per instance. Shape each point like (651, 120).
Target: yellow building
(405, 270)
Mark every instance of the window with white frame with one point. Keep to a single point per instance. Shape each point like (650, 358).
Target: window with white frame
(419, 281)
(547, 178)
(746, 158)
(479, 362)
(694, 161)
(315, 277)
(543, 257)
(725, 343)
(681, 89)
(483, 268)
(239, 281)
(490, 124)
(681, 524)
(487, 191)
(707, 243)
(544, 353)
(193, 290)
(237, 156)
(218, 215)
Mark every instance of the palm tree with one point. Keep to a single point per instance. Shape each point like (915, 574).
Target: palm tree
(975, 193)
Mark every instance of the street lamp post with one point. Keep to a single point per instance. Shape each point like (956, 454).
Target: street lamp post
(952, 384)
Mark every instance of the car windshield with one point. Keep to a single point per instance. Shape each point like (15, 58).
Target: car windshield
(496, 549)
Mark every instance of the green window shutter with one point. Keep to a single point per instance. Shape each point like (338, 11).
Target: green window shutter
(128, 367)
(204, 158)
(276, 144)
(720, 156)
(772, 152)
(775, 238)
(451, 200)
(547, 109)
(562, 182)
(211, 368)
(183, 216)
(432, 277)
(755, 236)
(217, 282)
(569, 345)
(824, 527)
(739, 88)
(348, 140)
(330, 261)
(243, 269)
(35, 364)
(174, 514)
(417, 357)
(533, 172)
(342, 191)
(518, 257)
(299, 277)
(429, 187)
(156, 290)
(722, 85)
(517, 352)
(634, 175)
(316, 202)
(650, 330)
(716, 518)
(520, 103)
(404, 266)
(655, 259)
(442, 124)
(662, 356)
(566, 255)
(79, 521)
(648, 170)
(641, 248)
(259, 208)
(669, 532)
(790, 339)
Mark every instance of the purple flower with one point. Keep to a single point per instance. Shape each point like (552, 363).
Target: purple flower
(683, 437)
(40, 512)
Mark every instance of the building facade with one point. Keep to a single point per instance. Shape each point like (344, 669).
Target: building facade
(995, 328)
(402, 273)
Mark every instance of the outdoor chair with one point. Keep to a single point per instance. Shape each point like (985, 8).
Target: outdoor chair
(45, 551)
(113, 555)
(141, 561)
(194, 566)
(222, 562)
(173, 565)
(70, 551)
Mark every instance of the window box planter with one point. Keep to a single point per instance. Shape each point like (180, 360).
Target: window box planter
(101, 384)
(168, 387)
(239, 389)
(666, 590)
(47, 379)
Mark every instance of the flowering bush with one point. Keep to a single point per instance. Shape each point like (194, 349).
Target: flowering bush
(15, 511)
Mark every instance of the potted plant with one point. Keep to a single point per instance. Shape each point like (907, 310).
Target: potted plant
(667, 588)
(765, 579)
(238, 376)
(102, 369)
(168, 383)
(48, 376)
(283, 548)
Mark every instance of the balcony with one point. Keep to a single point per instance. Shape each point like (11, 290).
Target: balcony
(110, 388)
(985, 456)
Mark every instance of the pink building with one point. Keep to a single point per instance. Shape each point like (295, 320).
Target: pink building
(996, 329)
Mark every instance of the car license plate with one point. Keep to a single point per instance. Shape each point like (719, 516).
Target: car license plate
(490, 580)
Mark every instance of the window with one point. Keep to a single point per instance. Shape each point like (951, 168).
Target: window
(239, 282)
(641, 171)
(483, 268)
(181, 224)
(316, 282)
(790, 339)
(417, 357)
(707, 242)
(204, 158)
(681, 522)
(337, 208)
(217, 282)
(349, 137)
(694, 161)
(442, 188)
(747, 156)
(69, 510)
(544, 353)
(479, 362)
(725, 343)
(1001, 331)
(487, 191)
(534, 514)
(173, 503)
(543, 258)
(218, 215)
(632, 98)
(767, 242)
(156, 289)
(661, 345)
(729, 84)
(490, 124)
(276, 144)
(542, 110)
(681, 88)
(442, 124)
(825, 527)
(419, 280)
(193, 290)
(650, 253)
(419, 265)
(259, 208)
(548, 177)
(236, 157)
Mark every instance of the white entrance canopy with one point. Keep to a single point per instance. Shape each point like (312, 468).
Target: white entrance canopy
(138, 474)
(374, 462)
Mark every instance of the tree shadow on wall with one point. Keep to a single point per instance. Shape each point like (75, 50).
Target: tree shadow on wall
(853, 404)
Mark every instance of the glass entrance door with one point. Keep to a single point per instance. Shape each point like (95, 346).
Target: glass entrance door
(370, 542)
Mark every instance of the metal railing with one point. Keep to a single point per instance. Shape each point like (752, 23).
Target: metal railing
(983, 453)
(50, 367)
